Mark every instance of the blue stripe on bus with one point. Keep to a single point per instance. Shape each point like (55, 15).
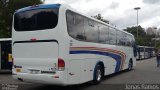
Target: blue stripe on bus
(42, 6)
(117, 57)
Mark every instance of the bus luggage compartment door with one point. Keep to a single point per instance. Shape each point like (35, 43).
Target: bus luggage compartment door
(41, 56)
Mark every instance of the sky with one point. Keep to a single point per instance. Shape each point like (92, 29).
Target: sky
(120, 13)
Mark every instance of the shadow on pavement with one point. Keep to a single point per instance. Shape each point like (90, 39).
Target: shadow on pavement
(85, 86)
(116, 74)
(54, 87)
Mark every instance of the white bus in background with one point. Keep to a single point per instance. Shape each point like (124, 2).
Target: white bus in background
(54, 44)
(5, 55)
(145, 52)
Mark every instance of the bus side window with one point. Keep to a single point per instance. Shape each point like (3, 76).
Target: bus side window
(103, 33)
(75, 25)
(70, 23)
(91, 30)
(119, 38)
(79, 27)
(112, 36)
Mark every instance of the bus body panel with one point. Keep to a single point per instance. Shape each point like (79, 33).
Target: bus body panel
(85, 63)
(35, 56)
(39, 51)
(79, 66)
(144, 52)
(42, 78)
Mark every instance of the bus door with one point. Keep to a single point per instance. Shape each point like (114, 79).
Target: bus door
(6, 61)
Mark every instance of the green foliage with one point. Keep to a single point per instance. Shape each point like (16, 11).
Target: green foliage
(99, 17)
(143, 39)
(157, 45)
(6, 14)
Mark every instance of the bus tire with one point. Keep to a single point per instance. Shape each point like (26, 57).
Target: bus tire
(130, 65)
(98, 74)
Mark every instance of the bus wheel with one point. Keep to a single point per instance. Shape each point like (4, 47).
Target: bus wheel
(130, 65)
(98, 74)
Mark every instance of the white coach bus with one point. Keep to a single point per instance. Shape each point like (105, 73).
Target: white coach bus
(54, 44)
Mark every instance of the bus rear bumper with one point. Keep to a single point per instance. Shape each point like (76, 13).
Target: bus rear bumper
(40, 78)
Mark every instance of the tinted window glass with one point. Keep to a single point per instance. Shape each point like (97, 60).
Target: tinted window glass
(119, 35)
(39, 19)
(129, 40)
(91, 30)
(75, 25)
(112, 36)
(85, 29)
(141, 49)
(103, 33)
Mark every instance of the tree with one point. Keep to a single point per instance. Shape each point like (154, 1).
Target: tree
(143, 39)
(7, 8)
(157, 45)
(99, 17)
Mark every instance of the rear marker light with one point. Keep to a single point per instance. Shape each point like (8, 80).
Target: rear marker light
(56, 76)
(33, 39)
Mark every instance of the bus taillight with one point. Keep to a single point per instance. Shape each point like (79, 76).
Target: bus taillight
(33, 39)
(61, 64)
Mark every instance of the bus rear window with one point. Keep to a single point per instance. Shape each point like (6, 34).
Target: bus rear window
(38, 19)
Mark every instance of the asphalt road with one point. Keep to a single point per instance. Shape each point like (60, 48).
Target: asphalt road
(145, 73)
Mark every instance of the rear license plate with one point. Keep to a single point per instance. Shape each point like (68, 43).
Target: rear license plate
(34, 71)
(18, 70)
